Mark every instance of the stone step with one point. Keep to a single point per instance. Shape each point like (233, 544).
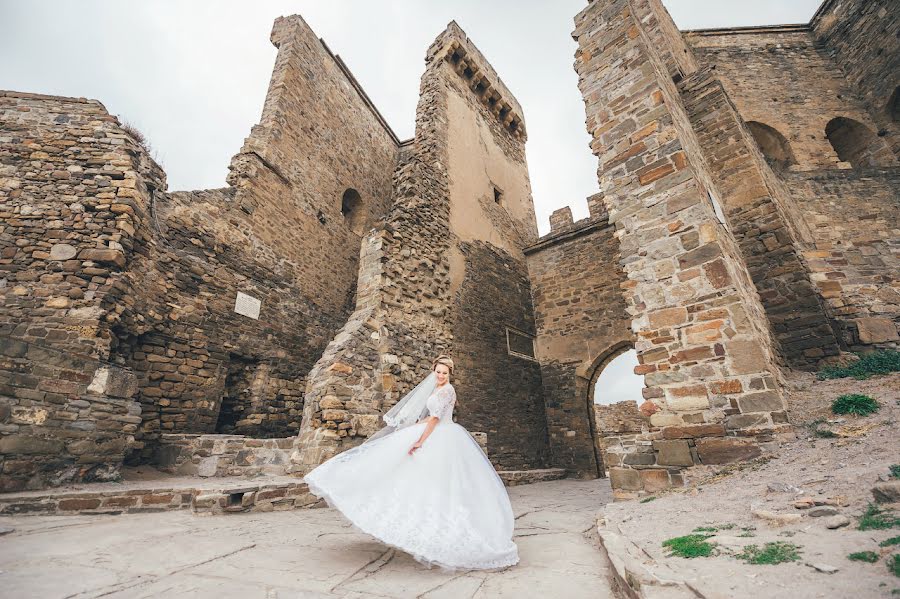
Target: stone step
(202, 496)
(513, 478)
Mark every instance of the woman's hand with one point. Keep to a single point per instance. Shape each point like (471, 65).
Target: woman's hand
(416, 445)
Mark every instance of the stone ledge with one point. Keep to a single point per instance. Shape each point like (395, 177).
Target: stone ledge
(514, 478)
(202, 497)
(638, 575)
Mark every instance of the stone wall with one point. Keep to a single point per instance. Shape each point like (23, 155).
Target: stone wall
(854, 259)
(863, 39)
(223, 455)
(702, 335)
(778, 76)
(581, 320)
(64, 417)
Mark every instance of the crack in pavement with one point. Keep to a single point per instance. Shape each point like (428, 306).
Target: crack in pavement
(150, 578)
(389, 554)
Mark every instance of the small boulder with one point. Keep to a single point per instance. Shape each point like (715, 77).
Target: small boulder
(822, 510)
(835, 522)
(887, 492)
(823, 568)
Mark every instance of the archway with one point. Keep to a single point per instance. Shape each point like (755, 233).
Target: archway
(353, 211)
(775, 147)
(853, 142)
(614, 397)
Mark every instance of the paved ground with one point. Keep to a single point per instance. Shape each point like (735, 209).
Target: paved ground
(304, 553)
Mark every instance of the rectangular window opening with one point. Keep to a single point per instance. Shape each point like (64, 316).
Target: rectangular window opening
(498, 195)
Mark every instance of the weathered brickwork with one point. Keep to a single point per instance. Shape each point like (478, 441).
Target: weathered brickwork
(581, 322)
(855, 257)
(223, 455)
(63, 417)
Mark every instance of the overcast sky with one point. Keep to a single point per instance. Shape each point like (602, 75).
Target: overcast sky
(192, 74)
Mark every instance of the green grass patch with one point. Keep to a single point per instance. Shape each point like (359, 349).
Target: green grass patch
(864, 556)
(647, 499)
(889, 542)
(748, 531)
(716, 528)
(778, 552)
(895, 470)
(893, 564)
(690, 546)
(880, 362)
(855, 404)
(876, 518)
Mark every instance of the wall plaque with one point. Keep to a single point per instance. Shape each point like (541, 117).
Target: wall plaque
(247, 305)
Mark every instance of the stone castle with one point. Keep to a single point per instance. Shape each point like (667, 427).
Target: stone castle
(747, 223)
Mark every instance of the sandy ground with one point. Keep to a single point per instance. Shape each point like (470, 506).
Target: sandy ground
(301, 553)
(838, 470)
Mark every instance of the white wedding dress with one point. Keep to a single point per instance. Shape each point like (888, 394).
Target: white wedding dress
(444, 505)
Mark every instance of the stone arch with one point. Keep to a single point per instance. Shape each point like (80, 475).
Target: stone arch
(353, 211)
(611, 421)
(854, 142)
(775, 147)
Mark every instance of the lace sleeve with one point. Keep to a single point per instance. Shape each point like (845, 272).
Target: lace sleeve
(443, 402)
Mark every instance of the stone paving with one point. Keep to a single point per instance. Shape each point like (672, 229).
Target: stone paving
(301, 553)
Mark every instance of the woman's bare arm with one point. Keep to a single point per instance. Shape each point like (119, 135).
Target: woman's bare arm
(431, 422)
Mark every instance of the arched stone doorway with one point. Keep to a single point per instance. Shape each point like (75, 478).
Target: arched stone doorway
(353, 211)
(614, 396)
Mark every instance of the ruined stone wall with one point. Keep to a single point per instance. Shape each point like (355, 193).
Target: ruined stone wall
(855, 217)
(703, 338)
(863, 38)
(318, 136)
(68, 181)
(779, 77)
(581, 320)
(444, 274)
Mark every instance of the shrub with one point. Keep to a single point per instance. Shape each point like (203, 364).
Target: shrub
(875, 518)
(857, 405)
(864, 556)
(778, 552)
(889, 542)
(879, 362)
(690, 546)
(893, 564)
(895, 470)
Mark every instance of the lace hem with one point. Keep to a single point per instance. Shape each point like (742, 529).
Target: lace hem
(511, 558)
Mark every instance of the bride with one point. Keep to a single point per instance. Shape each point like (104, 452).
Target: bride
(423, 485)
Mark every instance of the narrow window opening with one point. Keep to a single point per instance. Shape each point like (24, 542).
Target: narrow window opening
(468, 73)
(353, 212)
(498, 195)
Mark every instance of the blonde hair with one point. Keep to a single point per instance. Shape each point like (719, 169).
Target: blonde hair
(445, 360)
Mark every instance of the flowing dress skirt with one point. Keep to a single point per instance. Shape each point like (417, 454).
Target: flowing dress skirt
(445, 505)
